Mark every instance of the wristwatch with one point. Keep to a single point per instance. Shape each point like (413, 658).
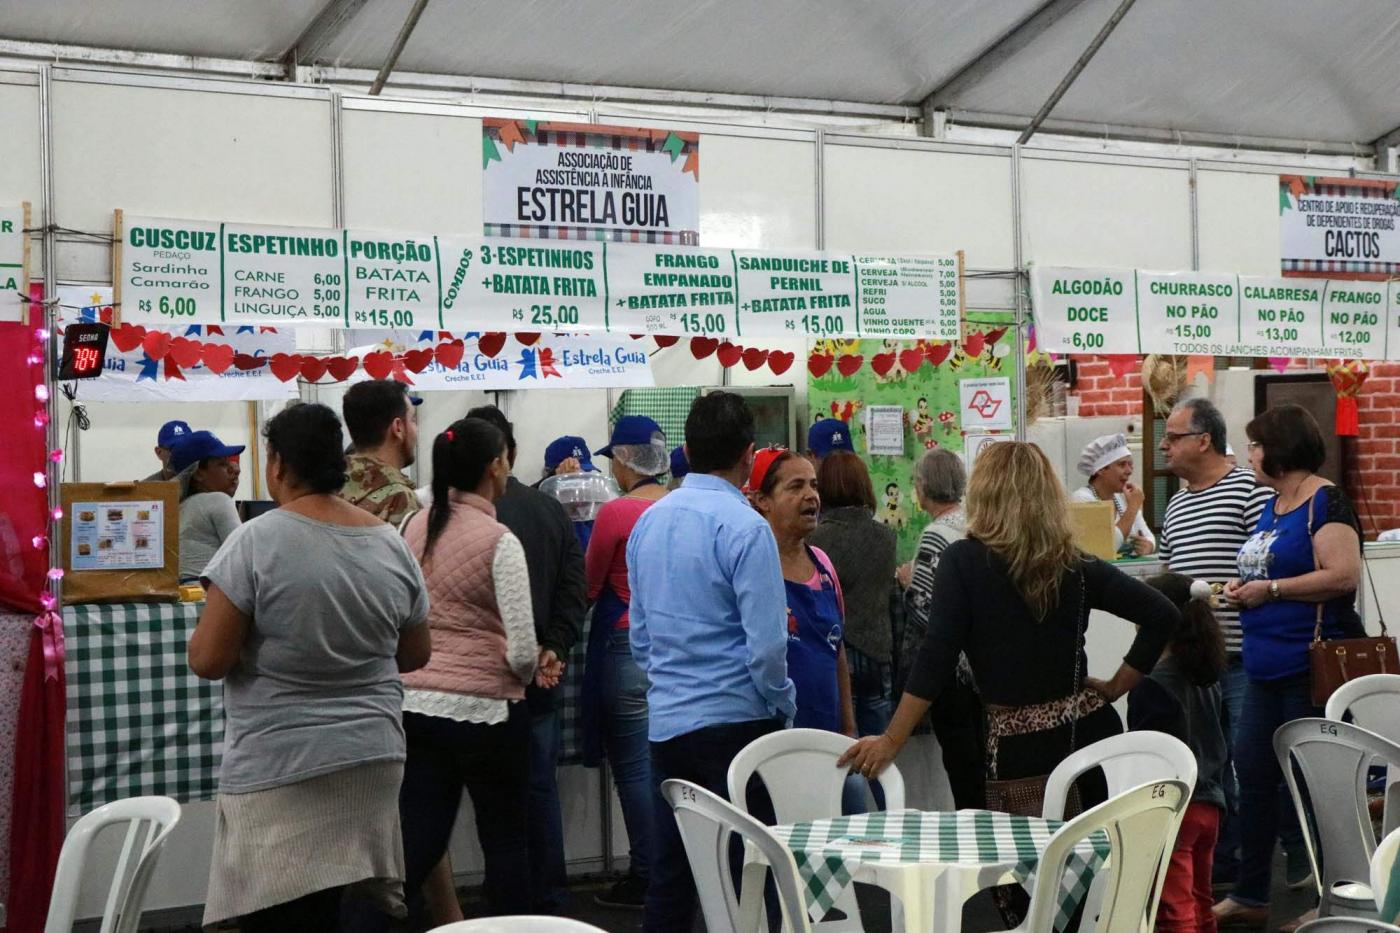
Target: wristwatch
(1273, 590)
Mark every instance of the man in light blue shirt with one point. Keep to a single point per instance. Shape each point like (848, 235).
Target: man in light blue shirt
(709, 628)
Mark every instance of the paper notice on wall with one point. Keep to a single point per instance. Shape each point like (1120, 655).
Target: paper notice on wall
(884, 430)
(974, 444)
(985, 404)
(118, 536)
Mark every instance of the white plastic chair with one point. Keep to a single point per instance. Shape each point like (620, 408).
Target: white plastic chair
(1347, 925)
(1128, 760)
(1374, 704)
(706, 822)
(522, 924)
(1334, 759)
(1141, 824)
(1382, 864)
(150, 820)
(798, 767)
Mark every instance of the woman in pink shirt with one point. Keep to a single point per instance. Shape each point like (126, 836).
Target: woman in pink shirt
(614, 717)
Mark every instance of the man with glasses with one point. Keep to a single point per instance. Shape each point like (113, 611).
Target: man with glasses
(1206, 524)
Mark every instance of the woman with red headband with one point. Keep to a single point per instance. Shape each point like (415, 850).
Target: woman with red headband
(783, 488)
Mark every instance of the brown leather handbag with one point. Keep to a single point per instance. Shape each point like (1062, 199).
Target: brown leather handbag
(1334, 661)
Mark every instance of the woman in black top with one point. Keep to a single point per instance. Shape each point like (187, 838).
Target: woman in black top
(1015, 596)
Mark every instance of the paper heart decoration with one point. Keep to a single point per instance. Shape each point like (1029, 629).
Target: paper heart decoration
(974, 343)
(780, 361)
(729, 354)
(849, 363)
(172, 370)
(701, 347)
(665, 340)
(938, 352)
(636, 336)
(156, 344)
(313, 367)
(449, 355)
(754, 357)
(128, 337)
(415, 361)
(246, 361)
(994, 335)
(185, 352)
(911, 360)
(881, 363)
(1279, 363)
(1120, 364)
(819, 364)
(379, 364)
(342, 367)
(527, 339)
(218, 357)
(285, 366)
(490, 344)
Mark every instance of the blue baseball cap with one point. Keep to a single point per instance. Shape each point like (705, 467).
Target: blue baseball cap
(680, 463)
(198, 445)
(632, 429)
(562, 448)
(170, 432)
(827, 435)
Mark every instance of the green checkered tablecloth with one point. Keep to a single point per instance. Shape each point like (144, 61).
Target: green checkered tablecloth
(668, 407)
(825, 850)
(139, 722)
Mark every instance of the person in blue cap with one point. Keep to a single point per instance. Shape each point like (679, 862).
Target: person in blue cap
(170, 432)
(680, 466)
(207, 513)
(567, 454)
(826, 436)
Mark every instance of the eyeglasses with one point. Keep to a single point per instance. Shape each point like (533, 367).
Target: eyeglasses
(1171, 437)
(1254, 445)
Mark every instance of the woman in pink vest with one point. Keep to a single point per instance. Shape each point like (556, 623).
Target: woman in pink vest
(463, 716)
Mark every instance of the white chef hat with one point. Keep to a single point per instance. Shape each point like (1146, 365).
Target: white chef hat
(1102, 451)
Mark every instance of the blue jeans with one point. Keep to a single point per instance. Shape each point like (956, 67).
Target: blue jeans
(629, 753)
(1227, 846)
(549, 877)
(1267, 705)
(871, 701)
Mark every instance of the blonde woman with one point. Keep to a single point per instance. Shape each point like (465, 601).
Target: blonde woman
(1015, 596)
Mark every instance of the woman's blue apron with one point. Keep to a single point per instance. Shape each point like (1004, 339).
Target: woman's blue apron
(814, 635)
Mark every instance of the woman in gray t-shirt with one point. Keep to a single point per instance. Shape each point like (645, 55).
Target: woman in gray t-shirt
(313, 611)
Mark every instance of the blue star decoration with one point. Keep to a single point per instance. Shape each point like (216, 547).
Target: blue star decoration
(149, 368)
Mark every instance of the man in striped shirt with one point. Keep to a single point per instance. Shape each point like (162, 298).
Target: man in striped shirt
(1206, 524)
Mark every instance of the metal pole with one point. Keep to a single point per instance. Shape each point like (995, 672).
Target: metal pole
(1019, 285)
(819, 156)
(1074, 70)
(397, 49)
(1195, 221)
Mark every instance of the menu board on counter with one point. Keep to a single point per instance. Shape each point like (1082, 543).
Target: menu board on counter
(176, 272)
(1127, 311)
(118, 535)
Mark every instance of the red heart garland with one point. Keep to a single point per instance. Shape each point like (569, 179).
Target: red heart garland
(156, 344)
(938, 352)
(415, 361)
(974, 344)
(819, 364)
(490, 344)
(128, 337)
(285, 366)
(729, 354)
(172, 370)
(636, 336)
(1120, 364)
(754, 358)
(881, 363)
(527, 339)
(994, 335)
(701, 347)
(665, 340)
(218, 357)
(780, 361)
(185, 352)
(911, 360)
(379, 364)
(313, 367)
(246, 361)
(450, 354)
(343, 367)
(849, 363)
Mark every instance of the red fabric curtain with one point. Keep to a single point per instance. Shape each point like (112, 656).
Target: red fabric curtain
(37, 826)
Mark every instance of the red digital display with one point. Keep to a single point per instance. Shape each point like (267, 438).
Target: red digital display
(84, 351)
(86, 360)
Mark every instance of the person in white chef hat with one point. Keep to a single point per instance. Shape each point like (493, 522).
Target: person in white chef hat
(1108, 463)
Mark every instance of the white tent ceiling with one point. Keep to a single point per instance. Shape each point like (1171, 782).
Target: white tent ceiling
(1255, 69)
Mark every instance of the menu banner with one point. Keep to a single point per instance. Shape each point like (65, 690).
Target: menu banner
(1127, 311)
(14, 260)
(175, 272)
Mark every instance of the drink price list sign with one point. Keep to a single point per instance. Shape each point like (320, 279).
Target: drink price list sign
(1117, 311)
(172, 272)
